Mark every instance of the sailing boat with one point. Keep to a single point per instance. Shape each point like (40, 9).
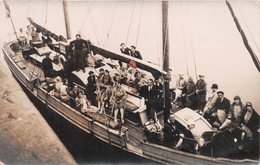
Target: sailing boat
(25, 64)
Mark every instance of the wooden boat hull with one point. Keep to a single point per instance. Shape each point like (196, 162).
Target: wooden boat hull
(63, 115)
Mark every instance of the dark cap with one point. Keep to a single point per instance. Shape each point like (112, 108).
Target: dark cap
(237, 97)
(122, 44)
(90, 72)
(220, 92)
(215, 86)
(133, 47)
(248, 104)
(215, 125)
(78, 35)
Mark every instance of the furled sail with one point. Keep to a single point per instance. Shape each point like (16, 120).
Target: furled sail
(248, 47)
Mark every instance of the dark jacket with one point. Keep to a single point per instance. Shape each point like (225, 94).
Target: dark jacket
(125, 51)
(136, 54)
(224, 104)
(253, 123)
(171, 134)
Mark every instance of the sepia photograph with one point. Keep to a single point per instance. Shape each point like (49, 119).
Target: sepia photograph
(129, 82)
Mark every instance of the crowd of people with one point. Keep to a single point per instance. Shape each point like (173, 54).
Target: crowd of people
(239, 120)
(105, 89)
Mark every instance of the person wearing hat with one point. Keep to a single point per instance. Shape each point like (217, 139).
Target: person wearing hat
(234, 115)
(172, 136)
(57, 86)
(250, 124)
(222, 107)
(77, 45)
(180, 84)
(210, 106)
(135, 53)
(47, 66)
(201, 89)
(91, 87)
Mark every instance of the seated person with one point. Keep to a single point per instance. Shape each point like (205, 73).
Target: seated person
(73, 94)
(123, 75)
(172, 136)
(90, 60)
(189, 143)
(64, 92)
(249, 124)
(141, 84)
(82, 103)
(57, 87)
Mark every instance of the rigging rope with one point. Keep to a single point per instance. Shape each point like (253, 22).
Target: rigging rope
(159, 37)
(247, 27)
(139, 24)
(251, 52)
(28, 9)
(86, 15)
(184, 42)
(46, 17)
(111, 23)
(130, 23)
(95, 29)
(191, 38)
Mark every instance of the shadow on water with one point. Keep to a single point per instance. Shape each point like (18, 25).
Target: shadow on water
(85, 148)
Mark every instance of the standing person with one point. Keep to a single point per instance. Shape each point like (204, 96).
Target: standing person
(106, 83)
(151, 99)
(222, 107)
(201, 90)
(69, 66)
(22, 38)
(118, 99)
(91, 87)
(47, 66)
(35, 35)
(189, 96)
(78, 53)
(172, 136)
(135, 53)
(210, 106)
(180, 84)
(28, 35)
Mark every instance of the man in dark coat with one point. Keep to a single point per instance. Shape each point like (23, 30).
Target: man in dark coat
(250, 127)
(69, 66)
(201, 90)
(91, 88)
(47, 66)
(172, 136)
(135, 53)
(222, 107)
(124, 49)
(78, 53)
(151, 98)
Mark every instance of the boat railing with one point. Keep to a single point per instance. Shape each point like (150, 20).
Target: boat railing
(9, 37)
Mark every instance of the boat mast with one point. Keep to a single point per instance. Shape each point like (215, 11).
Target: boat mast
(66, 16)
(165, 40)
(9, 15)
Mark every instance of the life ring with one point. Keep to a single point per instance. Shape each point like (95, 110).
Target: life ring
(61, 60)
